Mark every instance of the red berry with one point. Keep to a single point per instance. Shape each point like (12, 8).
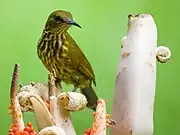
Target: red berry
(25, 133)
(11, 133)
(29, 124)
(27, 129)
(31, 129)
(14, 129)
(18, 133)
(10, 130)
(35, 133)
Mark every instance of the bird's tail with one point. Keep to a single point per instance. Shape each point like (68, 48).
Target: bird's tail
(92, 99)
(91, 96)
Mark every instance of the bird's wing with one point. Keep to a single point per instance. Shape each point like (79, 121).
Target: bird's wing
(85, 68)
(80, 60)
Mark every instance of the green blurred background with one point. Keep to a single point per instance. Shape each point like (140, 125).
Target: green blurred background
(104, 23)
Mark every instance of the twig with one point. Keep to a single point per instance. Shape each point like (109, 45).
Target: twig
(54, 108)
(62, 104)
(17, 118)
(51, 85)
(60, 114)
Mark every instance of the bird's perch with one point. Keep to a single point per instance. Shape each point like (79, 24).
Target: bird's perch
(58, 114)
(135, 86)
(99, 123)
(53, 118)
(51, 108)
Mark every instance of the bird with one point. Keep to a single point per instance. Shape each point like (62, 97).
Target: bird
(61, 55)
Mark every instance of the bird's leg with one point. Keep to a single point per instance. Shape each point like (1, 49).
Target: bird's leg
(76, 82)
(58, 84)
(57, 80)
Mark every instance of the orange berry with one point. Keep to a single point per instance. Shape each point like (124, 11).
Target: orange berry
(11, 133)
(25, 133)
(94, 113)
(27, 128)
(18, 133)
(31, 129)
(88, 131)
(14, 129)
(29, 124)
(107, 116)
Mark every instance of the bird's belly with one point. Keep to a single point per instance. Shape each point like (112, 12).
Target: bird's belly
(72, 76)
(64, 71)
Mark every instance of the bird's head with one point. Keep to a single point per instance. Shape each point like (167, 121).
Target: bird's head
(59, 21)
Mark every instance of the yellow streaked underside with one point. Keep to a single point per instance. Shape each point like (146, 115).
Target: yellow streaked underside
(58, 56)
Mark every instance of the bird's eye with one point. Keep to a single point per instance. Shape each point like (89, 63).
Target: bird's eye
(58, 19)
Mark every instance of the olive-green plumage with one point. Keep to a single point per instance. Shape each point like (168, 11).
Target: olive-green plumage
(61, 55)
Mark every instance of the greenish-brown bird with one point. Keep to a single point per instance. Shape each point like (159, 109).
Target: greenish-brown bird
(62, 56)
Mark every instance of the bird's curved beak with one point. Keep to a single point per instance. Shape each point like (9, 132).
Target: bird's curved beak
(71, 22)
